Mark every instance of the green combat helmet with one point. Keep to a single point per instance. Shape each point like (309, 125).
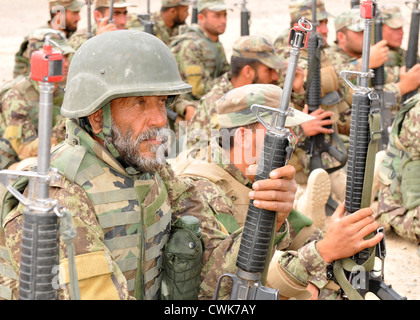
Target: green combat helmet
(146, 68)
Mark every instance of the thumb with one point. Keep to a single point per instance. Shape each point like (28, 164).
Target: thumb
(305, 109)
(339, 212)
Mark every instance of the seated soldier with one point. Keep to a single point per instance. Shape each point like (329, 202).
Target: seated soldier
(19, 105)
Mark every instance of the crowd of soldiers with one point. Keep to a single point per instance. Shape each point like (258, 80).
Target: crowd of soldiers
(126, 179)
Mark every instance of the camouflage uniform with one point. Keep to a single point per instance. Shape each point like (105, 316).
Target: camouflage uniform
(399, 206)
(332, 98)
(23, 56)
(205, 117)
(200, 60)
(19, 105)
(342, 61)
(122, 216)
(226, 188)
(160, 29)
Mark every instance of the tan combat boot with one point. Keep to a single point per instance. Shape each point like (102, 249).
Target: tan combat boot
(312, 202)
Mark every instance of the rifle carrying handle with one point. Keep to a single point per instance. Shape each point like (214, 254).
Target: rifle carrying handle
(259, 223)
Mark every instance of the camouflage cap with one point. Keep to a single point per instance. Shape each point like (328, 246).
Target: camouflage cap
(392, 16)
(258, 48)
(175, 3)
(303, 8)
(117, 4)
(350, 19)
(71, 5)
(234, 108)
(59, 42)
(212, 5)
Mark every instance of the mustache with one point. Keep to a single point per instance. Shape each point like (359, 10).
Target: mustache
(161, 134)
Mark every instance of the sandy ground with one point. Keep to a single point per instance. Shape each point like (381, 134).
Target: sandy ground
(269, 18)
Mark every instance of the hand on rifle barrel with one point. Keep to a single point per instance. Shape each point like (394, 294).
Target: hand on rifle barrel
(346, 233)
(410, 80)
(105, 26)
(378, 54)
(317, 126)
(277, 193)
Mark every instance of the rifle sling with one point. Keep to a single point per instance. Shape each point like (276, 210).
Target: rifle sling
(348, 264)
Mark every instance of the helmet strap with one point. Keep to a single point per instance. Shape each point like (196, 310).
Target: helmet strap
(107, 130)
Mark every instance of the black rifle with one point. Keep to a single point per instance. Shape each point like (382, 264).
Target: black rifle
(194, 13)
(316, 145)
(387, 99)
(245, 17)
(111, 12)
(356, 275)
(146, 20)
(255, 248)
(413, 44)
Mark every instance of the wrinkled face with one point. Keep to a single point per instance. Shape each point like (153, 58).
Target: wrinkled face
(214, 22)
(394, 37)
(139, 132)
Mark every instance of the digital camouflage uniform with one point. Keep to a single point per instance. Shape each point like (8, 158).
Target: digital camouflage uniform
(331, 95)
(396, 56)
(200, 59)
(20, 104)
(399, 206)
(160, 29)
(342, 61)
(122, 216)
(205, 118)
(23, 56)
(226, 189)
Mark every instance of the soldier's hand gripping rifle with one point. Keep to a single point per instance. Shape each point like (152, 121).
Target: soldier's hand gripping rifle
(413, 43)
(40, 237)
(356, 275)
(386, 98)
(255, 247)
(316, 145)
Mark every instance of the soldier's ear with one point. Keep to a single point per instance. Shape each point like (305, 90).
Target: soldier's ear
(96, 121)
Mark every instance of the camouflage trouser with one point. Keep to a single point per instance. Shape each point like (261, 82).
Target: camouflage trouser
(391, 214)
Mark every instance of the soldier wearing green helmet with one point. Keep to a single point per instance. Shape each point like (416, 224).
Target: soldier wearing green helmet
(167, 23)
(20, 104)
(115, 181)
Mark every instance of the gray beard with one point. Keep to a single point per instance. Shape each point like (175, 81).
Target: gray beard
(128, 148)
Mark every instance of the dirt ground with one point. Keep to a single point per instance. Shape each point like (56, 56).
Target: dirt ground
(269, 18)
